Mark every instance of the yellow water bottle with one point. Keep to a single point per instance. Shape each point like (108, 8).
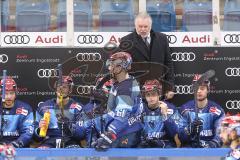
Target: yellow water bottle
(43, 130)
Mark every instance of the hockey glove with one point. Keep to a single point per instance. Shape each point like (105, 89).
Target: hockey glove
(17, 144)
(153, 143)
(156, 143)
(105, 141)
(209, 144)
(196, 127)
(65, 125)
(99, 95)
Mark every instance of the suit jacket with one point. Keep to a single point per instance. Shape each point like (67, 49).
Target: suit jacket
(159, 62)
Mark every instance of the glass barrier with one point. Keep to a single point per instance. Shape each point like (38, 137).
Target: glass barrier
(116, 15)
(231, 15)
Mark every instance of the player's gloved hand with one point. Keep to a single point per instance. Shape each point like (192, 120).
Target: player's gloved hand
(156, 143)
(152, 143)
(197, 126)
(99, 95)
(105, 141)
(17, 144)
(209, 144)
(7, 151)
(65, 124)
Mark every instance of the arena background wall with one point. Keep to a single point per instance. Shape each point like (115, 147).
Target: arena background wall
(35, 70)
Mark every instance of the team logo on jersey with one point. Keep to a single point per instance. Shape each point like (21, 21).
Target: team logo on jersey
(151, 124)
(76, 106)
(22, 111)
(215, 110)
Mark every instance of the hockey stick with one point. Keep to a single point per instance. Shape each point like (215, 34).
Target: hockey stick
(3, 100)
(59, 83)
(61, 106)
(99, 86)
(204, 77)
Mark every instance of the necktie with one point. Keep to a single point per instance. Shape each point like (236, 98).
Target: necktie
(146, 42)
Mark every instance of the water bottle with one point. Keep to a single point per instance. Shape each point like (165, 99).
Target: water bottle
(43, 130)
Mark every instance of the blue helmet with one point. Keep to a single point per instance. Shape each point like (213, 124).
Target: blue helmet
(123, 59)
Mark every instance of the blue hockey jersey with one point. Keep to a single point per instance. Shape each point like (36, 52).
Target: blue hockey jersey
(121, 102)
(72, 112)
(211, 116)
(100, 123)
(156, 126)
(18, 124)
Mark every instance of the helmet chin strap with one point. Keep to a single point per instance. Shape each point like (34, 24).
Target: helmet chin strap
(114, 75)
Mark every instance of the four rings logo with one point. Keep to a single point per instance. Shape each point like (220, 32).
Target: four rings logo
(16, 39)
(183, 89)
(172, 39)
(47, 73)
(3, 58)
(232, 72)
(232, 38)
(88, 56)
(183, 56)
(85, 89)
(90, 39)
(233, 104)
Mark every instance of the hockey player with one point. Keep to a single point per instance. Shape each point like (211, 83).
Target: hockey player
(123, 130)
(156, 117)
(65, 129)
(98, 97)
(230, 131)
(16, 117)
(234, 154)
(204, 130)
(96, 111)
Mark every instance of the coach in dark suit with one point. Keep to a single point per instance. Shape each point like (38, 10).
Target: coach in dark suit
(145, 45)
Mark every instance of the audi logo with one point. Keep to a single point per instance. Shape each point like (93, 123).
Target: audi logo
(232, 38)
(3, 58)
(233, 104)
(90, 39)
(85, 89)
(16, 39)
(183, 56)
(232, 72)
(172, 39)
(47, 73)
(183, 89)
(88, 57)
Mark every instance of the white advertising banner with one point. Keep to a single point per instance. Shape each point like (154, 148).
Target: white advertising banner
(98, 39)
(111, 39)
(33, 39)
(230, 39)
